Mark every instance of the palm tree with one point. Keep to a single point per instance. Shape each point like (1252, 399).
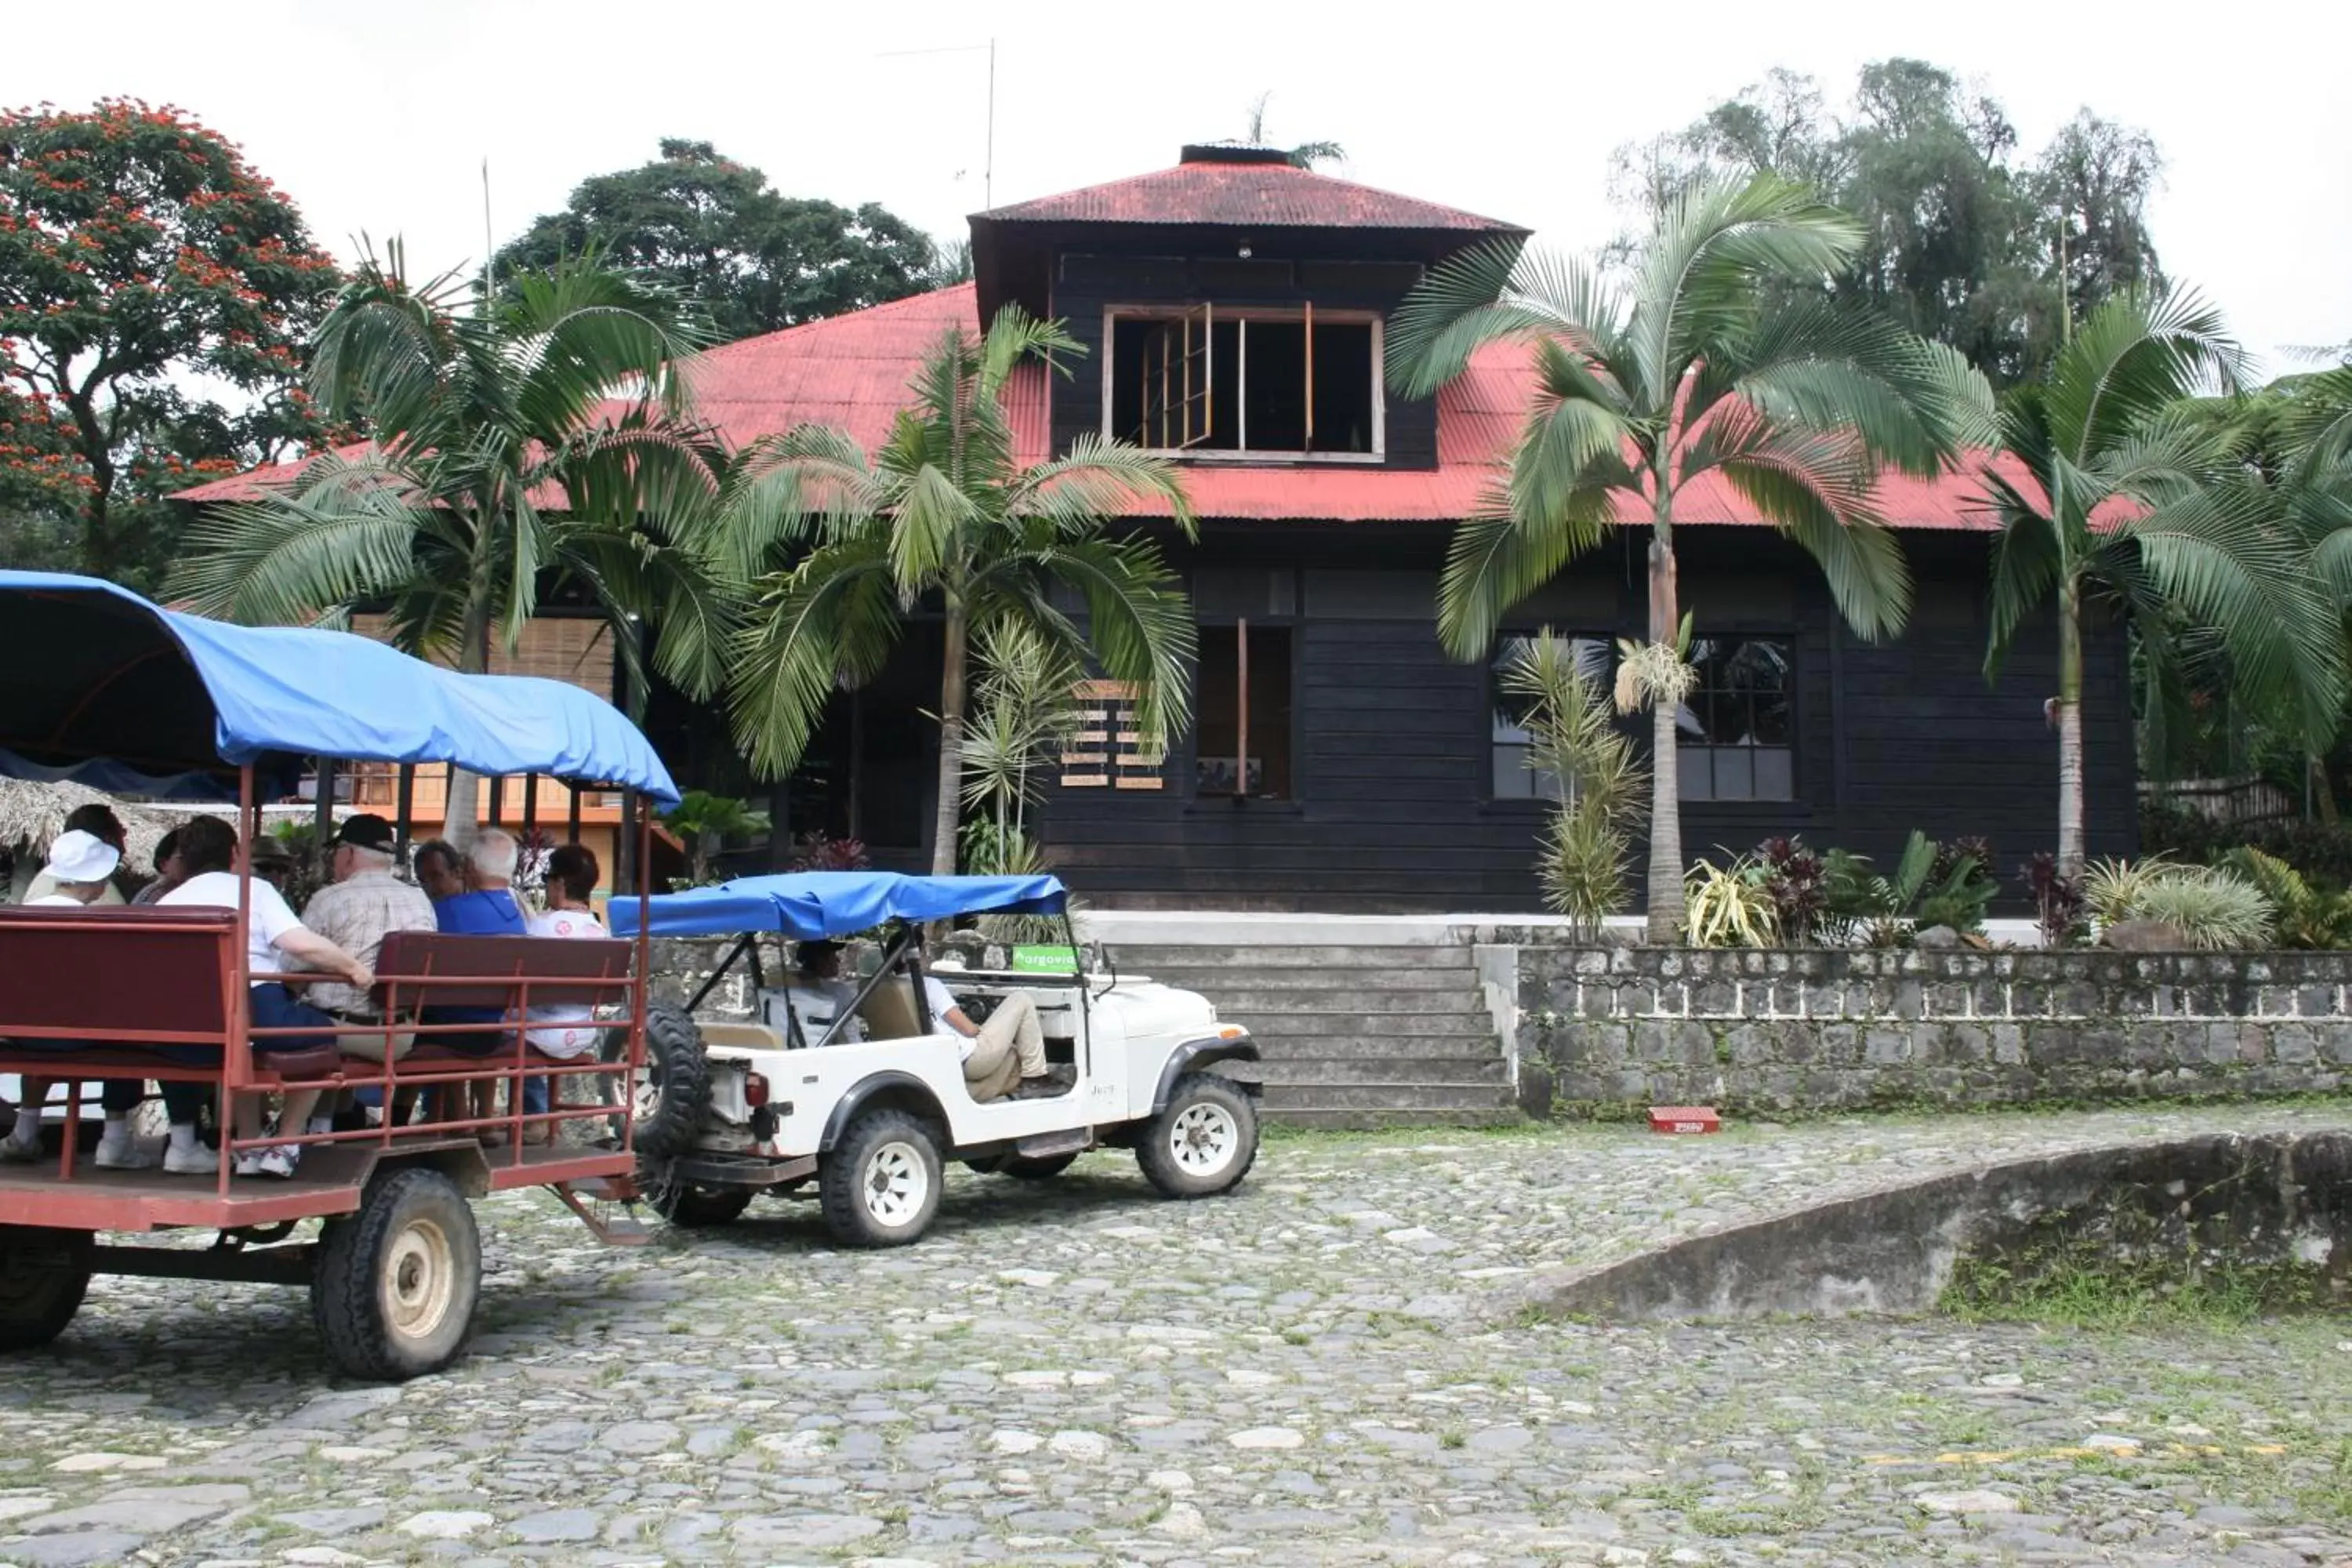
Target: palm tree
(1305, 155)
(541, 435)
(706, 822)
(946, 511)
(2131, 497)
(1719, 358)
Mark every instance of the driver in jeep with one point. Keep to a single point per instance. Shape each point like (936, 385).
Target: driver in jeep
(1006, 1054)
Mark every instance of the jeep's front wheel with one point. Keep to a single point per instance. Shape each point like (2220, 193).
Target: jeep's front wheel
(880, 1185)
(1204, 1143)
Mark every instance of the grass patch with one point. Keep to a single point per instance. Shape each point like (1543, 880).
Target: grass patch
(2081, 1283)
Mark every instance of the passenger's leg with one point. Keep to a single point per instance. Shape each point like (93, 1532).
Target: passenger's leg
(116, 1150)
(991, 1069)
(23, 1140)
(1014, 1025)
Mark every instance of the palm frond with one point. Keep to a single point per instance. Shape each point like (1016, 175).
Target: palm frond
(833, 618)
(2217, 555)
(1914, 404)
(1097, 480)
(286, 561)
(1489, 293)
(1698, 287)
(1139, 622)
(2133, 358)
(1498, 556)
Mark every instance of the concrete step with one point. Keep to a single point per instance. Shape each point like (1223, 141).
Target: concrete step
(1347, 1119)
(1404, 1095)
(1295, 1072)
(1278, 1001)
(1398, 1046)
(1143, 958)
(1285, 1026)
(1216, 979)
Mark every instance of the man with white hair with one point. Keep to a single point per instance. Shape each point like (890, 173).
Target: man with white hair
(364, 904)
(487, 908)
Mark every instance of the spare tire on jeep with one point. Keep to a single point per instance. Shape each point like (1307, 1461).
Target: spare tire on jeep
(671, 1092)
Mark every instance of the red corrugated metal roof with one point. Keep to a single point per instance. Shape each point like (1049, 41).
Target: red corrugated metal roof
(852, 372)
(1245, 195)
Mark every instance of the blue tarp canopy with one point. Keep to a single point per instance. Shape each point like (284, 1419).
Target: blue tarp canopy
(808, 905)
(89, 669)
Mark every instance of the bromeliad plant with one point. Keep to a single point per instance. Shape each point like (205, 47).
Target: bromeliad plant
(1730, 905)
(2211, 907)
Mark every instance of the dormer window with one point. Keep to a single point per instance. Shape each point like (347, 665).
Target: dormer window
(1205, 380)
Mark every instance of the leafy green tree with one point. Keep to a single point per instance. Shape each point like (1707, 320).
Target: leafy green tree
(717, 233)
(2132, 499)
(1306, 154)
(706, 821)
(142, 260)
(842, 545)
(1965, 241)
(1714, 367)
(538, 440)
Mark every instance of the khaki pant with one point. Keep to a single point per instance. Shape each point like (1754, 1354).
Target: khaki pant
(1011, 1047)
(370, 1047)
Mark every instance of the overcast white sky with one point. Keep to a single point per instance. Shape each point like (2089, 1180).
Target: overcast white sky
(378, 119)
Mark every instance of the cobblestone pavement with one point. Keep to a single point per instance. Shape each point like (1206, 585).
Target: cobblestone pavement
(1311, 1371)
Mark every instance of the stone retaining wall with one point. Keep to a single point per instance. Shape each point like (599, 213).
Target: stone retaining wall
(1608, 1031)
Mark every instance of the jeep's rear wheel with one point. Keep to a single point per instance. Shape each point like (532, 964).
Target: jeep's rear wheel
(1204, 1143)
(880, 1185)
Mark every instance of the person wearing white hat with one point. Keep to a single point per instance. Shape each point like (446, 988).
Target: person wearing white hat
(80, 865)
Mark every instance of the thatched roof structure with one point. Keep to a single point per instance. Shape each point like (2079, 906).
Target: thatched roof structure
(31, 815)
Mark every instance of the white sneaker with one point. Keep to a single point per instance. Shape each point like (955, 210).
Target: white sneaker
(199, 1160)
(124, 1153)
(278, 1163)
(16, 1150)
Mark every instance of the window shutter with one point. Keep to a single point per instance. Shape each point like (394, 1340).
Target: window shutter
(1109, 749)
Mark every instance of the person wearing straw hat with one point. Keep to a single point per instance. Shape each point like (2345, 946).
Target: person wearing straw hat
(79, 873)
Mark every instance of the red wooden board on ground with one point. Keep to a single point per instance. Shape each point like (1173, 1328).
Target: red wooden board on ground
(1685, 1119)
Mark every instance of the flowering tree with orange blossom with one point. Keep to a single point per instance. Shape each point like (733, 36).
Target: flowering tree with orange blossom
(155, 295)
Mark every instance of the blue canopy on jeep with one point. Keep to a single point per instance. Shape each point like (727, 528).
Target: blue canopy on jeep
(95, 671)
(809, 905)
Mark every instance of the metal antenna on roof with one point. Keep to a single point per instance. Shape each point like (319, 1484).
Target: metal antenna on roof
(988, 165)
(489, 248)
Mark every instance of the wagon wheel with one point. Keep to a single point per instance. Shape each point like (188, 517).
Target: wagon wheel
(395, 1284)
(42, 1287)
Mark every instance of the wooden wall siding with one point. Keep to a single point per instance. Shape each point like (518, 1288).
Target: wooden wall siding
(577, 650)
(1393, 810)
(1085, 284)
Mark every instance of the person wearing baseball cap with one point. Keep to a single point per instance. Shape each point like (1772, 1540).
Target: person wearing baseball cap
(364, 904)
(77, 875)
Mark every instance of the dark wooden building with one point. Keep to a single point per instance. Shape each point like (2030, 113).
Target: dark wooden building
(1234, 310)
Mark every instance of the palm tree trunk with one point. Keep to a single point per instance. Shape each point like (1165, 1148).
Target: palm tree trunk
(464, 807)
(949, 811)
(1666, 892)
(2070, 731)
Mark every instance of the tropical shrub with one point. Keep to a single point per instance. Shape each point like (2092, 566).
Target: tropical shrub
(820, 851)
(2305, 917)
(2212, 908)
(1798, 882)
(2057, 900)
(1933, 884)
(1573, 737)
(1729, 905)
(706, 821)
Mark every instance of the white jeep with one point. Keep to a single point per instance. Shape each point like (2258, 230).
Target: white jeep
(729, 1109)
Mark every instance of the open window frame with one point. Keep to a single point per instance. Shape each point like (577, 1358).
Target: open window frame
(1178, 381)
